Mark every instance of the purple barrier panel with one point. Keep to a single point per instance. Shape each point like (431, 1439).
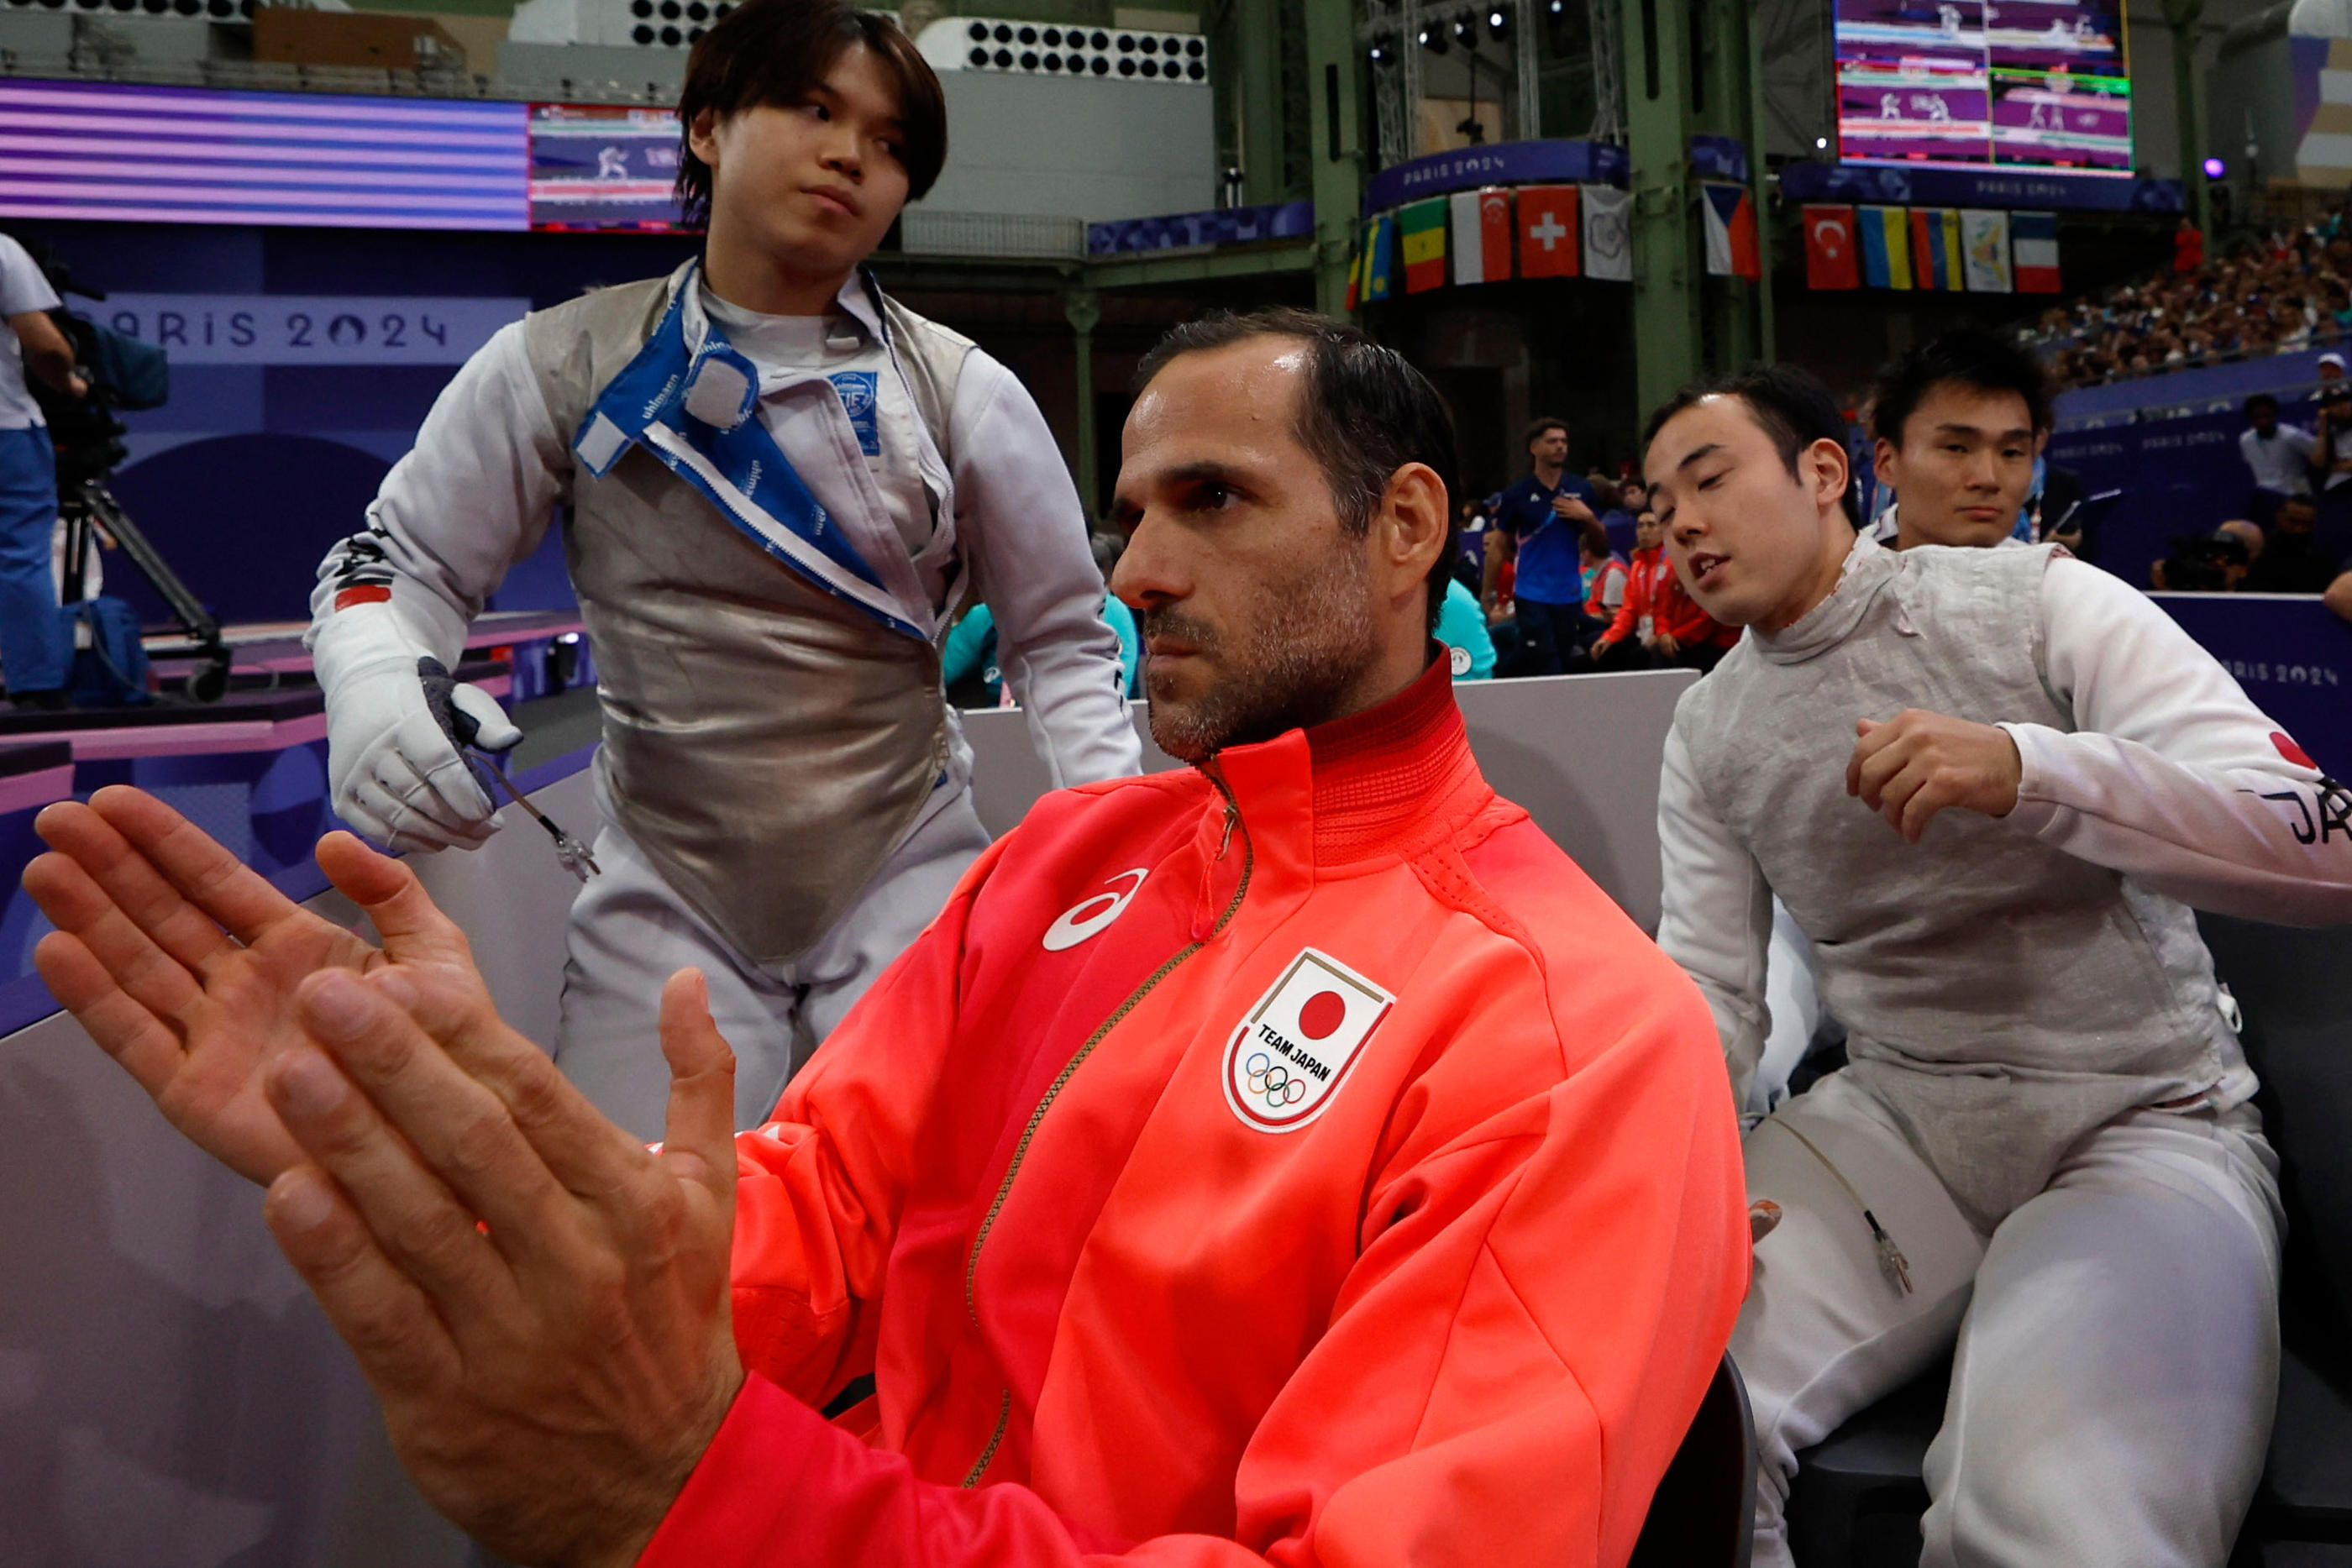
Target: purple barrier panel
(2292, 656)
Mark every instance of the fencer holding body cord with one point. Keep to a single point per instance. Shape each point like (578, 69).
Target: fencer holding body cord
(394, 773)
(465, 730)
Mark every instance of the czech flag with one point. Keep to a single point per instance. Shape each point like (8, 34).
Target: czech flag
(1482, 237)
(2034, 251)
(1886, 248)
(1831, 259)
(1731, 247)
(1422, 226)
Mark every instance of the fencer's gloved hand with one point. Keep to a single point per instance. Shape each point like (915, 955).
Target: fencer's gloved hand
(396, 771)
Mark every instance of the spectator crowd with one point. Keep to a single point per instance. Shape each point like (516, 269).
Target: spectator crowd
(2290, 290)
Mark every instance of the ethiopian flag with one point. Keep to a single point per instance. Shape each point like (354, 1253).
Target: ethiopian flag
(1422, 226)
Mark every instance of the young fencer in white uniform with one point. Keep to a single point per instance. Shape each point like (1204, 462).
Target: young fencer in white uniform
(1988, 785)
(781, 485)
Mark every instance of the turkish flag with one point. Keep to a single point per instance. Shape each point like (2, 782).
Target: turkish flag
(1832, 257)
(1548, 231)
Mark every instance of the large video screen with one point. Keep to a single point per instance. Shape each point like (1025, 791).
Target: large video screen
(2031, 83)
(196, 155)
(604, 168)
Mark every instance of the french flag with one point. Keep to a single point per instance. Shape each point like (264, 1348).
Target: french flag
(2034, 251)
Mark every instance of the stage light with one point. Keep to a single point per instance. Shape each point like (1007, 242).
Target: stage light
(2215, 168)
(1382, 51)
(1498, 23)
(1820, 143)
(1465, 30)
(1560, 8)
(1432, 40)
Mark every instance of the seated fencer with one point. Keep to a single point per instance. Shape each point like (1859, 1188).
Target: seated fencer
(1290, 1158)
(1988, 785)
(1958, 424)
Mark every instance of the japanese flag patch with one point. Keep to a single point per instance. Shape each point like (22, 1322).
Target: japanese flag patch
(1289, 1055)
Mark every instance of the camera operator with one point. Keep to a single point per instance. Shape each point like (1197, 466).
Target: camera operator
(35, 649)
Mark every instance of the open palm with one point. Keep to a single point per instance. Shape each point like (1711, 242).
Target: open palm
(182, 963)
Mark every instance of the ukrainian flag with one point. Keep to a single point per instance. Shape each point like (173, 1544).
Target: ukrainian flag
(1885, 247)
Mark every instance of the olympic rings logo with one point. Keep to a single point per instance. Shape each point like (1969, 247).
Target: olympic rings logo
(1273, 1082)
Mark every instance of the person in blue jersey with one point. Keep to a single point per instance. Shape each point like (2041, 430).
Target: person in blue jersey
(1537, 524)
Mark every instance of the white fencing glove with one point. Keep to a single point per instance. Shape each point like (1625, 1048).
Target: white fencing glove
(397, 775)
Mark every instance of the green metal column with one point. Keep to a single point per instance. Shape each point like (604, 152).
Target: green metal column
(1259, 81)
(1083, 307)
(2184, 18)
(1768, 344)
(1719, 107)
(1334, 73)
(1666, 262)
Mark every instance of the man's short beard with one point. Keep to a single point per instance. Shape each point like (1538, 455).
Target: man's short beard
(1308, 641)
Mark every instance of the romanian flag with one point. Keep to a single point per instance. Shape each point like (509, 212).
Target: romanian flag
(1885, 247)
(1423, 227)
(1936, 260)
(1379, 257)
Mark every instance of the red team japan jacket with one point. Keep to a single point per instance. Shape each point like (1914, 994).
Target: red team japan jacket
(1298, 1161)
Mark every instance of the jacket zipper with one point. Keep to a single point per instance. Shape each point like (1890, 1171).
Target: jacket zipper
(1020, 1149)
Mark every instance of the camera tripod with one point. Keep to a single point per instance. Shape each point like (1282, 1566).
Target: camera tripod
(90, 510)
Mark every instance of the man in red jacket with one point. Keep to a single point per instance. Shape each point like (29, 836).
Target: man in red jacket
(1291, 1159)
(1659, 615)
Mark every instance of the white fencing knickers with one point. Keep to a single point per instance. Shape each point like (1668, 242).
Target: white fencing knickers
(2116, 1356)
(631, 931)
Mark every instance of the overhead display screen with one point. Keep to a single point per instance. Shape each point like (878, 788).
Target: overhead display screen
(604, 168)
(2029, 83)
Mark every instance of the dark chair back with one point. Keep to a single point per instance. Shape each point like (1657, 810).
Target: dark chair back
(1704, 1512)
(2295, 989)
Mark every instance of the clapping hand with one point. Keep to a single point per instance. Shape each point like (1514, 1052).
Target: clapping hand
(181, 962)
(540, 1302)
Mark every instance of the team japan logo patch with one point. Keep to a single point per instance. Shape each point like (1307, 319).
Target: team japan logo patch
(1289, 1056)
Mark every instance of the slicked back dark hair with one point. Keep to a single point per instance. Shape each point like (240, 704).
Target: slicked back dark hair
(1363, 413)
(1787, 404)
(1968, 355)
(772, 52)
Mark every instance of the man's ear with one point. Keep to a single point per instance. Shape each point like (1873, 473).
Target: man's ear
(1833, 469)
(1885, 462)
(1410, 524)
(702, 136)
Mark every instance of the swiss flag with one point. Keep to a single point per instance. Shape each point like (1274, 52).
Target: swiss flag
(1831, 258)
(1548, 231)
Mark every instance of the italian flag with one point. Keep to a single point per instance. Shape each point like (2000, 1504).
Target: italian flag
(1423, 225)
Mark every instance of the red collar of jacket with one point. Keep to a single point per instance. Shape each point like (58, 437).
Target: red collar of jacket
(1389, 781)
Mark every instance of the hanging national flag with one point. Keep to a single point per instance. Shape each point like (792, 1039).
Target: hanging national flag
(1886, 248)
(1482, 236)
(2033, 249)
(1951, 267)
(1984, 249)
(1423, 226)
(1608, 240)
(1355, 270)
(1831, 258)
(1731, 247)
(1549, 231)
(1379, 257)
